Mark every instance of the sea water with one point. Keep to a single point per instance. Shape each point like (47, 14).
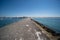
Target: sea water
(52, 23)
(8, 20)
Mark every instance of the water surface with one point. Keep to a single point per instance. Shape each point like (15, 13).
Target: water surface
(8, 20)
(52, 23)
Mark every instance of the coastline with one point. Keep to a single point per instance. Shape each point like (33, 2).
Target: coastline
(49, 32)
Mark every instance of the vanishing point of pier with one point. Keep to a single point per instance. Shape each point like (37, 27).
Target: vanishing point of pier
(22, 30)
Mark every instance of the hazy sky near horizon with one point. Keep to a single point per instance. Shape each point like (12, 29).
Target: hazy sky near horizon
(37, 8)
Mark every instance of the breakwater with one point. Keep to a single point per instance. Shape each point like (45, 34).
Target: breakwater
(22, 30)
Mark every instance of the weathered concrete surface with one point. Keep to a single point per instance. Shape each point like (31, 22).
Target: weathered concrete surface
(22, 30)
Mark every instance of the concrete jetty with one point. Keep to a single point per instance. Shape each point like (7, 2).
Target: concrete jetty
(22, 30)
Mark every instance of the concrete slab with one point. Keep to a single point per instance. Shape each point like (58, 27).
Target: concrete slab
(22, 30)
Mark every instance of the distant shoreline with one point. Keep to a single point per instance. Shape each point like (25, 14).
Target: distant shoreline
(32, 17)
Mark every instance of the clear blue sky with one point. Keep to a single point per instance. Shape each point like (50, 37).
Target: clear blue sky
(37, 8)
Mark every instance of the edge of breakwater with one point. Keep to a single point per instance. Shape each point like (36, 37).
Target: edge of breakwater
(50, 33)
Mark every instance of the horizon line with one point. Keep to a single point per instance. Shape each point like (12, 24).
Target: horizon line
(24, 16)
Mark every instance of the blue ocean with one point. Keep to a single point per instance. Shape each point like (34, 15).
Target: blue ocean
(52, 23)
(8, 20)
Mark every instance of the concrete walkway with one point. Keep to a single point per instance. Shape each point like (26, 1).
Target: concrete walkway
(22, 30)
